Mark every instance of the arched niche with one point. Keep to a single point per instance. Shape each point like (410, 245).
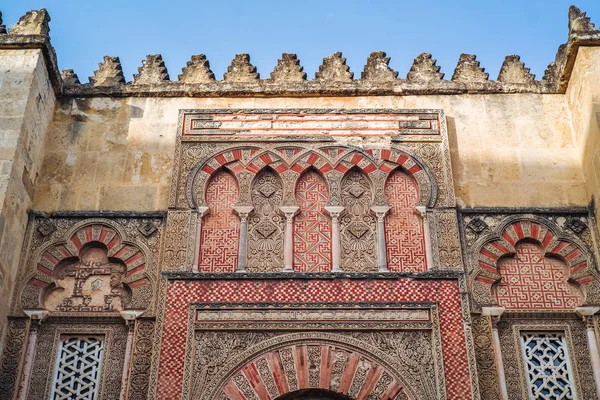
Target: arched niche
(94, 257)
(312, 224)
(499, 247)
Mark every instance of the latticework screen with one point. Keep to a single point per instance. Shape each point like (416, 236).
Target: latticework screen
(78, 364)
(547, 366)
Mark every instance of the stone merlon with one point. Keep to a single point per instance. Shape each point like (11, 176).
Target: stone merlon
(288, 78)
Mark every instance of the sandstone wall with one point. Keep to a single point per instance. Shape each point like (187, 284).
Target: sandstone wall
(26, 108)
(583, 97)
(509, 150)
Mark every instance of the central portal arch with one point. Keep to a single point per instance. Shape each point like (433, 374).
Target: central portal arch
(313, 394)
(303, 369)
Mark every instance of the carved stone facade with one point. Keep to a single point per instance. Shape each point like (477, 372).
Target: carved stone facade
(293, 238)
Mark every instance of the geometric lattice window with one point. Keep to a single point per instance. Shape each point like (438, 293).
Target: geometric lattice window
(548, 372)
(77, 374)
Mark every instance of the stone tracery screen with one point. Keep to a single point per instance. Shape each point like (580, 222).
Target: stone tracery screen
(265, 226)
(312, 226)
(403, 228)
(548, 371)
(78, 368)
(358, 224)
(531, 280)
(220, 228)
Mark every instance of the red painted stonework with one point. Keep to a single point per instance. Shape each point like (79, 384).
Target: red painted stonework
(220, 228)
(531, 280)
(181, 293)
(312, 225)
(403, 228)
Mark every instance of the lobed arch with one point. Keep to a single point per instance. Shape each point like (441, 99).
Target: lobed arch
(495, 247)
(331, 161)
(385, 378)
(92, 233)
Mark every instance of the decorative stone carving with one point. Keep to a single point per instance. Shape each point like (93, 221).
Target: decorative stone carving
(513, 71)
(358, 225)
(576, 339)
(91, 283)
(114, 335)
(484, 354)
(177, 243)
(579, 22)
(12, 355)
(265, 226)
(287, 356)
(447, 246)
(334, 69)
(576, 225)
(94, 267)
(468, 70)
(197, 71)
(86, 265)
(241, 70)
(32, 23)
(142, 355)
(377, 68)
(288, 69)
(424, 69)
(502, 233)
(109, 73)
(152, 71)
(69, 77)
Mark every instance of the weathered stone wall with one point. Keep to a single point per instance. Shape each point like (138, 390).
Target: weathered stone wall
(583, 96)
(510, 150)
(26, 108)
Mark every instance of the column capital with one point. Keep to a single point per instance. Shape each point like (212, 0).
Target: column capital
(289, 211)
(586, 311)
(493, 311)
(243, 211)
(202, 211)
(334, 211)
(421, 211)
(36, 315)
(130, 315)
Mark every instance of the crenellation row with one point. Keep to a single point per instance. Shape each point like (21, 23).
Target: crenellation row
(288, 70)
(333, 75)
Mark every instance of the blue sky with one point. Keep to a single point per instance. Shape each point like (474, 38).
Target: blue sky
(84, 31)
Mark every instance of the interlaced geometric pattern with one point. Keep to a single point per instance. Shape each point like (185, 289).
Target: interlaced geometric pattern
(403, 228)
(312, 226)
(532, 281)
(221, 227)
(77, 374)
(547, 366)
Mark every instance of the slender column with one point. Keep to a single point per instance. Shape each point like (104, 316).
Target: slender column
(382, 262)
(334, 212)
(495, 313)
(288, 242)
(587, 314)
(422, 212)
(242, 212)
(130, 318)
(35, 320)
(202, 211)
